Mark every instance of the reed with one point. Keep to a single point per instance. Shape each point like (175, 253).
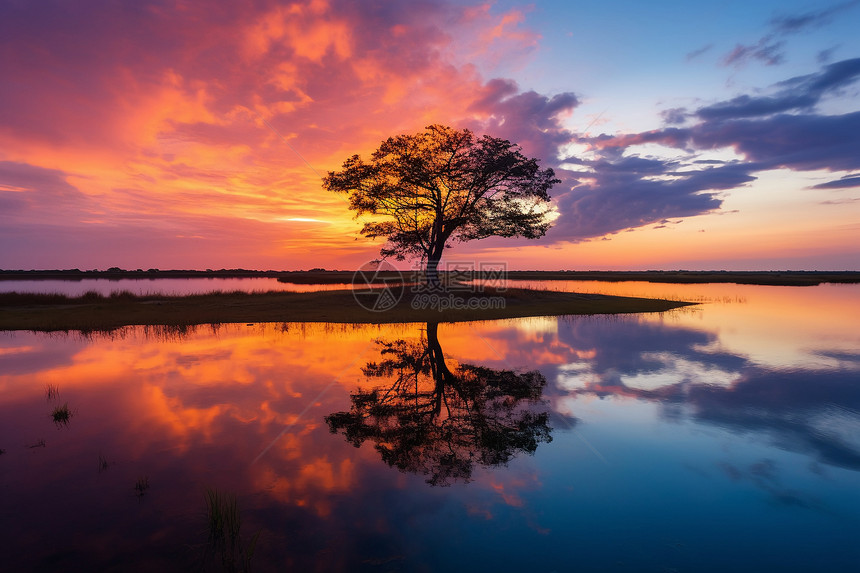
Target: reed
(141, 486)
(62, 415)
(224, 531)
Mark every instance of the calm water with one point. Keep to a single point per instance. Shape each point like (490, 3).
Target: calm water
(177, 287)
(721, 437)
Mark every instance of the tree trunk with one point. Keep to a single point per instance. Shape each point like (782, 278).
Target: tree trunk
(432, 272)
(433, 257)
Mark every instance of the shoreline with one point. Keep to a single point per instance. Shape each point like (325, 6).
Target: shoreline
(49, 313)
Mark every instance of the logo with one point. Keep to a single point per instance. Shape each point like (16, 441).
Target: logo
(377, 286)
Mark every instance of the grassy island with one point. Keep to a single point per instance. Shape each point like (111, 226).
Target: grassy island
(49, 312)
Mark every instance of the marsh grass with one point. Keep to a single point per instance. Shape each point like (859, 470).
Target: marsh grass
(51, 391)
(224, 523)
(103, 463)
(89, 297)
(141, 486)
(62, 415)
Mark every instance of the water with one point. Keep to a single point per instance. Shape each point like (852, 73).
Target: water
(168, 287)
(719, 437)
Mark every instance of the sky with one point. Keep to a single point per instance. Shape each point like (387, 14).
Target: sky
(187, 135)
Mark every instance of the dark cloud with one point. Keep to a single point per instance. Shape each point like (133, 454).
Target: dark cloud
(28, 191)
(844, 183)
(797, 142)
(635, 191)
(799, 93)
(675, 116)
(530, 119)
(615, 189)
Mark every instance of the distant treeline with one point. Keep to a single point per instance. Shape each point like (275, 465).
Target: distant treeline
(323, 276)
(118, 273)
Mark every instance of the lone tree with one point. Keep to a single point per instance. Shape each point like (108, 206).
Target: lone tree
(444, 185)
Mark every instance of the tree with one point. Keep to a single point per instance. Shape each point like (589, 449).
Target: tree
(445, 185)
(438, 421)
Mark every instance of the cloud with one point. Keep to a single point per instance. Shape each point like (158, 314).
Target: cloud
(769, 48)
(530, 119)
(614, 188)
(675, 116)
(635, 191)
(193, 117)
(766, 50)
(696, 53)
(797, 142)
(825, 56)
(843, 183)
(31, 193)
(795, 23)
(799, 93)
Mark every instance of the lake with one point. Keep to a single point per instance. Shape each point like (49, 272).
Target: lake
(169, 287)
(719, 437)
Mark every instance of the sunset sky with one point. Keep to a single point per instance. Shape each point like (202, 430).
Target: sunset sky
(193, 135)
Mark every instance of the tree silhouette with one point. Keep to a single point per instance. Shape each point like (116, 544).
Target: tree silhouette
(438, 421)
(441, 185)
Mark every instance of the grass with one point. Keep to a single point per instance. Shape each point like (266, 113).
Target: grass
(141, 486)
(93, 312)
(62, 415)
(224, 531)
(51, 391)
(103, 464)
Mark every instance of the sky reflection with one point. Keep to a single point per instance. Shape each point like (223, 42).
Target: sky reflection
(670, 447)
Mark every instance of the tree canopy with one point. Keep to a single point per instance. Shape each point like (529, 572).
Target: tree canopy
(424, 190)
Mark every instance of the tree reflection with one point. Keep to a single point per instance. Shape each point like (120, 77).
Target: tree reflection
(440, 421)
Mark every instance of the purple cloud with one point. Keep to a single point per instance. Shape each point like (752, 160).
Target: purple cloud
(530, 119)
(617, 189)
(799, 93)
(766, 50)
(844, 183)
(635, 191)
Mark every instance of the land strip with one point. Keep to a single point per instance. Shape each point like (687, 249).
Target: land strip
(93, 312)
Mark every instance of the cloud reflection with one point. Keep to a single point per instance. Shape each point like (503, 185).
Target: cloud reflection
(813, 410)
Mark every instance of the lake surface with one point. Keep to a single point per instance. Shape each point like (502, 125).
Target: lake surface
(720, 437)
(169, 287)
